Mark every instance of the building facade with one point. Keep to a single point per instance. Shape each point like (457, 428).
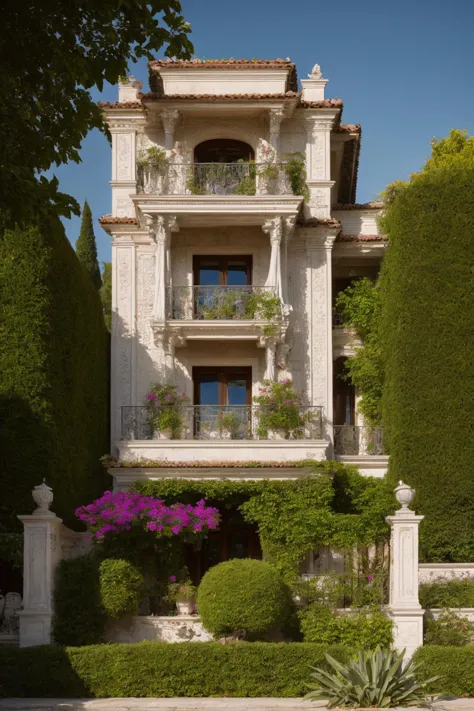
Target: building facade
(234, 224)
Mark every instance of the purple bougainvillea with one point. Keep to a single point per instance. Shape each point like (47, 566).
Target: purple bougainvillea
(113, 513)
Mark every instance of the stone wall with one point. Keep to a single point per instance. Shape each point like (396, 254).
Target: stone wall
(428, 572)
(181, 628)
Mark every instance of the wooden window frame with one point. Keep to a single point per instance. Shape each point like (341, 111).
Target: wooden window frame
(223, 260)
(223, 375)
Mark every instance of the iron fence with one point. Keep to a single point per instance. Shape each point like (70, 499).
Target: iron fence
(355, 440)
(221, 422)
(222, 302)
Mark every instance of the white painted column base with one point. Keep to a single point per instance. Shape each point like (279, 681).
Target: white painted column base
(35, 627)
(407, 629)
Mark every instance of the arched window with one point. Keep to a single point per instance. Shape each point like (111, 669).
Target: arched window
(223, 150)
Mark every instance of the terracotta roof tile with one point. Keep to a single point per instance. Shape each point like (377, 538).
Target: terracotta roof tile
(154, 96)
(318, 221)
(109, 220)
(348, 128)
(374, 205)
(360, 238)
(121, 105)
(324, 104)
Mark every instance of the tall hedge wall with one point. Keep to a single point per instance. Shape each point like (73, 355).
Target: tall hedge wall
(53, 374)
(427, 334)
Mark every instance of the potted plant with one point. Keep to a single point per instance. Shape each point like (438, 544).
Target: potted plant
(279, 416)
(182, 594)
(165, 411)
(151, 164)
(229, 424)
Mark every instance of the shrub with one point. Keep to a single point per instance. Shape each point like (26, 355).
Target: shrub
(158, 669)
(366, 628)
(449, 630)
(444, 592)
(78, 614)
(242, 595)
(426, 314)
(121, 587)
(453, 665)
(375, 678)
(53, 374)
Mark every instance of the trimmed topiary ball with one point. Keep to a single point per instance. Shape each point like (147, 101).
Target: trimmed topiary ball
(121, 587)
(242, 595)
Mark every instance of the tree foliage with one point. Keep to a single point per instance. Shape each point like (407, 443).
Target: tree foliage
(427, 302)
(53, 53)
(359, 306)
(106, 294)
(86, 248)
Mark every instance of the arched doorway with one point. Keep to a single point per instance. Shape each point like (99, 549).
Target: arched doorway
(223, 150)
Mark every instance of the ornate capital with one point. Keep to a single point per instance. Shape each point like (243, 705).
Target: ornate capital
(160, 227)
(276, 116)
(274, 228)
(169, 118)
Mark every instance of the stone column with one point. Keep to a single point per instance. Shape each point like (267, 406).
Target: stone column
(404, 605)
(169, 119)
(318, 161)
(41, 556)
(274, 228)
(160, 228)
(270, 345)
(276, 116)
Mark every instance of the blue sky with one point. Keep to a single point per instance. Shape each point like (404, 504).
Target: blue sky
(405, 73)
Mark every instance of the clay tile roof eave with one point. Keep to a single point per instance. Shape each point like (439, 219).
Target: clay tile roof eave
(155, 96)
(109, 220)
(120, 105)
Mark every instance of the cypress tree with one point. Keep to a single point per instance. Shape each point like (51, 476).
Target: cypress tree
(106, 294)
(86, 248)
(427, 307)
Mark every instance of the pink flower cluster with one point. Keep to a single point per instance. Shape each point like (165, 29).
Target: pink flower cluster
(117, 512)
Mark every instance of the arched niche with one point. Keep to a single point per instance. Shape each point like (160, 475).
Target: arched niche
(223, 150)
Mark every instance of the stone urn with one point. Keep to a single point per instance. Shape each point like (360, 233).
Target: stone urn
(43, 497)
(404, 495)
(278, 434)
(166, 433)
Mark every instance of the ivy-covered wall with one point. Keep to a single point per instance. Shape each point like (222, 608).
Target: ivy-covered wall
(335, 506)
(53, 374)
(427, 305)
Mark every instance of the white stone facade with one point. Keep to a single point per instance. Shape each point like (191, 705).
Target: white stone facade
(297, 246)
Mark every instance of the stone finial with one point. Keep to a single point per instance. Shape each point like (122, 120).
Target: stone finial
(404, 495)
(129, 89)
(42, 496)
(315, 72)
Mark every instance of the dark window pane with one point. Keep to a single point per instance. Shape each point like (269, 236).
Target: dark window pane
(209, 390)
(237, 391)
(237, 273)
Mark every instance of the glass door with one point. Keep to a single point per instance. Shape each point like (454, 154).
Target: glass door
(222, 398)
(221, 286)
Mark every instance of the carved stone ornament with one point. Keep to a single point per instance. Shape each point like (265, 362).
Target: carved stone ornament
(169, 118)
(276, 116)
(404, 495)
(315, 72)
(43, 497)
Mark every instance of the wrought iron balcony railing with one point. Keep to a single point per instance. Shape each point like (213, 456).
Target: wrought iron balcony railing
(220, 422)
(355, 440)
(214, 179)
(234, 303)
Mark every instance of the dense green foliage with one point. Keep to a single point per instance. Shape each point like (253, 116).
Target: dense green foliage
(106, 294)
(335, 506)
(449, 630)
(447, 593)
(86, 248)
(242, 596)
(365, 629)
(78, 613)
(453, 665)
(121, 587)
(52, 55)
(359, 307)
(427, 302)
(162, 670)
(53, 374)
(375, 679)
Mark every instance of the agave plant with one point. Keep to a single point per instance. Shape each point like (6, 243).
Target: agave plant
(375, 679)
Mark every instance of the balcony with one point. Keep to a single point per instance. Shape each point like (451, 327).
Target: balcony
(234, 303)
(221, 433)
(241, 178)
(351, 440)
(222, 422)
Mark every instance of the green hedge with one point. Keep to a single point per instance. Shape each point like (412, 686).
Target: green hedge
(366, 629)
(427, 303)
(447, 593)
(159, 669)
(53, 374)
(454, 666)
(121, 587)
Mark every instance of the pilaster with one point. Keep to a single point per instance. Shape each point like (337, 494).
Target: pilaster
(318, 124)
(169, 118)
